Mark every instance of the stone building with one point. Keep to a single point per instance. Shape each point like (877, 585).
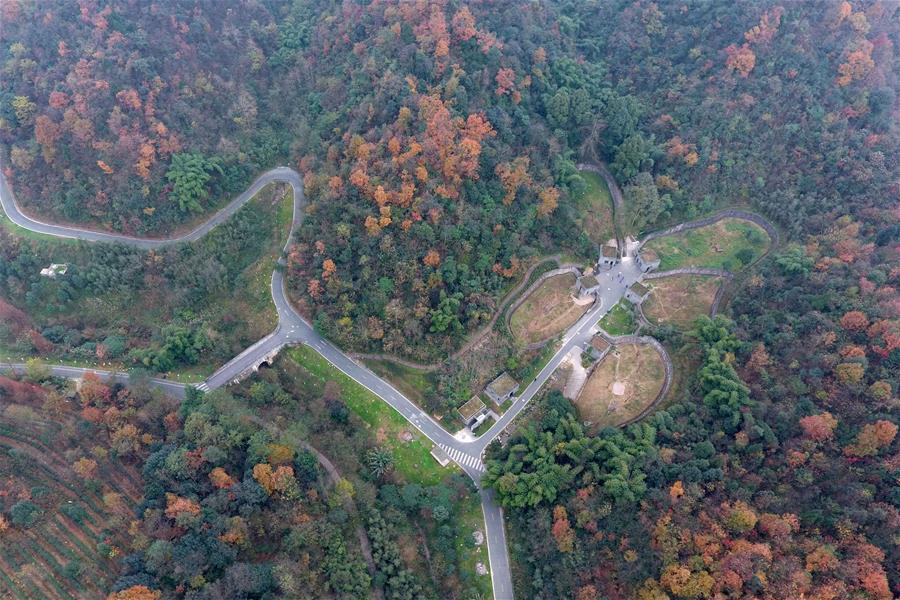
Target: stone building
(609, 255)
(637, 293)
(501, 389)
(473, 412)
(647, 259)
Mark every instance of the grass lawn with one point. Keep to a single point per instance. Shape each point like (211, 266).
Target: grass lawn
(619, 320)
(729, 244)
(414, 383)
(548, 311)
(412, 459)
(470, 518)
(621, 386)
(21, 232)
(483, 428)
(595, 208)
(680, 299)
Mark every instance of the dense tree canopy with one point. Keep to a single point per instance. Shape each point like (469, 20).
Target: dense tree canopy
(438, 143)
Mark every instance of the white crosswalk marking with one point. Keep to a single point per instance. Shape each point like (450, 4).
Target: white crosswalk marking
(203, 387)
(473, 462)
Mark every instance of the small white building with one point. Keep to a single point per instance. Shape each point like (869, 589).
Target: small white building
(54, 269)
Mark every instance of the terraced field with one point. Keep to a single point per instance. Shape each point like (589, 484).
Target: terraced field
(72, 548)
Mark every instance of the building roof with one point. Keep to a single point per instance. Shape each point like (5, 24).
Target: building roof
(599, 343)
(503, 385)
(589, 282)
(471, 408)
(640, 289)
(608, 251)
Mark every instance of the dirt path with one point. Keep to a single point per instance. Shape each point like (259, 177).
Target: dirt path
(365, 545)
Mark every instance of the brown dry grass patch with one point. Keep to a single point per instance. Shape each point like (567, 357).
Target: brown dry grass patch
(548, 311)
(680, 299)
(642, 372)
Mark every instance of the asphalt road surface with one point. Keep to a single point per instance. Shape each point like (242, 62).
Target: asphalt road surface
(173, 388)
(293, 329)
(15, 214)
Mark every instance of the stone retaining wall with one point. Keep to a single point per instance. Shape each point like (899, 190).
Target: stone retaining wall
(722, 214)
(646, 340)
(524, 296)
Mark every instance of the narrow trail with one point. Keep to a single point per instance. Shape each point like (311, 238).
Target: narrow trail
(689, 271)
(365, 546)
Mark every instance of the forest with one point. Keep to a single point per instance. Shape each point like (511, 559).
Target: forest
(773, 472)
(438, 141)
(270, 489)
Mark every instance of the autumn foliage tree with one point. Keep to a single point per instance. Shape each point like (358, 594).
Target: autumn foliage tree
(740, 59)
(562, 531)
(819, 428)
(135, 592)
(86, 468)
(872, 438)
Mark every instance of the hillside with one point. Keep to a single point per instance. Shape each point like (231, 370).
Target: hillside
(441, 144)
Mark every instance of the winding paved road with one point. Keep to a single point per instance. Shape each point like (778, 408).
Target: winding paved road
(15, 214)
(293, 329)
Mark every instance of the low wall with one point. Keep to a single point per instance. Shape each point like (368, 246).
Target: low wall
(524, 296)
(646, 340)
(731, 213)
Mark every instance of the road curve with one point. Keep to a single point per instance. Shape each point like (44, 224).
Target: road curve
(15, 214)
(293, 329)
